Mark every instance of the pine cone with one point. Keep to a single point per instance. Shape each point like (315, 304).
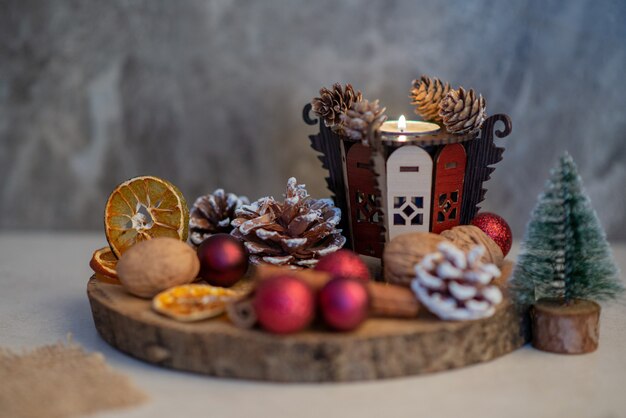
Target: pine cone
(362, 117)
(455, 285)
(334, 102)
(426, 94)
(462, 112)
(212, 214)
(294, 233)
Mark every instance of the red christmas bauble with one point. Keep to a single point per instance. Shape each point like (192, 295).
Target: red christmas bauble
(496, 228)
(223, 260)
(344, 303)
(284, 304)
(344, 263)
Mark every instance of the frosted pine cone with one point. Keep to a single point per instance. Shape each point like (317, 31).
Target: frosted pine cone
(334, 102)
(362, 118)
(455, 285)
(462, 111)
(426, 94)
(212, 214)
(294, 233)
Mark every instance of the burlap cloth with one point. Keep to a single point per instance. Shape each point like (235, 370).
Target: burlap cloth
(61, 380)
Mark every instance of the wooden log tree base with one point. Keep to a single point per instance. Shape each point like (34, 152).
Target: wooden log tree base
(380, 348)
(565, 329)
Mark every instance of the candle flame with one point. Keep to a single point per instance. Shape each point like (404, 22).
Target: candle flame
(402, 123)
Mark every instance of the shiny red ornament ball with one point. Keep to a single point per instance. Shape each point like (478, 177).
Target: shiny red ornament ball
(496, 228)
(344, 303)
(284, 304)
(223, 260)
(344, 263)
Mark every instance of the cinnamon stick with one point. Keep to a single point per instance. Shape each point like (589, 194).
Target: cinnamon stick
(241, 313)
(392, 301)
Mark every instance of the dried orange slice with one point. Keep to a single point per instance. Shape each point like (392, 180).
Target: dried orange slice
(107, 279)
(142, 208)
(194, 302)
(103, 261)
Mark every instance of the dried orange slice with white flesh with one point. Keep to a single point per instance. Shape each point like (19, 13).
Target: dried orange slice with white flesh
(194, 302)
(103, 261)
(143, 208)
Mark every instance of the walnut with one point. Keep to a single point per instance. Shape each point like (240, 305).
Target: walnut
(152, 266)
(467, 237)
(404, 251)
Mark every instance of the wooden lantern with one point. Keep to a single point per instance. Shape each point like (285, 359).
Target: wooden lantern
(428, 182)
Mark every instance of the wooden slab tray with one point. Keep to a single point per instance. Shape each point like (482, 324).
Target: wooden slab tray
(381, 348)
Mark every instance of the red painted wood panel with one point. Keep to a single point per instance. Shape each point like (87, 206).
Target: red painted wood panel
(366, 219)
(448, 195)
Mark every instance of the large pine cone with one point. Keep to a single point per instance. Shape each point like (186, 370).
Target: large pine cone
(294, 233)
(212, 214)
(334, 102)
(462, 112)
(361, 119)
(455, 285)
(426, 94)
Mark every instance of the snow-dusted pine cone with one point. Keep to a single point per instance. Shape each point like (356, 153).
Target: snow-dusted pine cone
(360, 119)
(455, 285)
(294, 233)
(426, 93)
(212, 214)
(462, 111)
(334, 102)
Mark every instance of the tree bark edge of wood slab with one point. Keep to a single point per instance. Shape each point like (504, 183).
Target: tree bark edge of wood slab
(565, 328)
(380, 348)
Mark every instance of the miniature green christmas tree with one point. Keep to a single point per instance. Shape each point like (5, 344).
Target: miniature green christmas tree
(565, 254)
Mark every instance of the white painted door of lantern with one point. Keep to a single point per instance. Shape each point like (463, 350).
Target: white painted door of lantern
(409, 186)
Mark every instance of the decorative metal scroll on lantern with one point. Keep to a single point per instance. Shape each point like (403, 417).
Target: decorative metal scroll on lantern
(396, 177)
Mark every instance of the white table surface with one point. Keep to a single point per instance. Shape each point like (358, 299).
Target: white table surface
(42, 298)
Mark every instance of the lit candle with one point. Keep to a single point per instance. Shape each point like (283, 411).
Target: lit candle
(402, 123)
(403, 128)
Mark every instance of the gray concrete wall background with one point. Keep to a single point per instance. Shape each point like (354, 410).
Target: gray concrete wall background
(209, 93)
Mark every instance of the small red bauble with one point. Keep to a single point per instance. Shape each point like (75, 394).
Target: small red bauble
(223, 260)
(344, 303)
(284, 304)
(496, 228)
(344, 263)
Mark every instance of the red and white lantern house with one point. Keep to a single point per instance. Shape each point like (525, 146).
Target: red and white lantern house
(414, 177)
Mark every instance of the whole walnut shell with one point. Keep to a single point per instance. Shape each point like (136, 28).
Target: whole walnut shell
(467, 237)
(152, 266)
(404, 251)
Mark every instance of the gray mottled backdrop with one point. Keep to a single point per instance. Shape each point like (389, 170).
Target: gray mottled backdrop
(209, 93)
